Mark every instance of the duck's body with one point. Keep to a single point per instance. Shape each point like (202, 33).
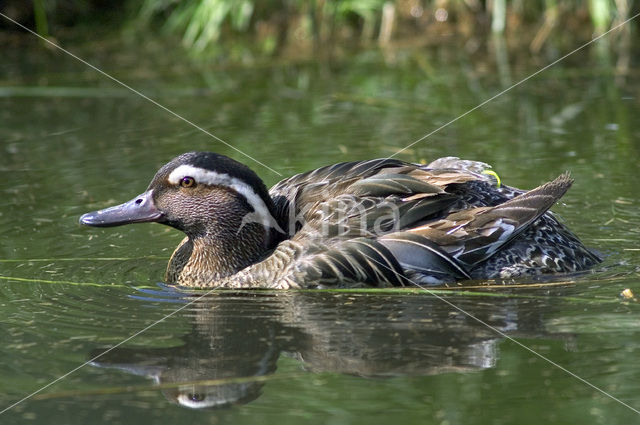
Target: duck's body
(381, 222)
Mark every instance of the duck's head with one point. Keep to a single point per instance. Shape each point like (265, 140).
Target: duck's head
(222, 206)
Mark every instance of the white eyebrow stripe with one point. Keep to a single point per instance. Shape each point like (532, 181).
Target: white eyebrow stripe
(201, 175)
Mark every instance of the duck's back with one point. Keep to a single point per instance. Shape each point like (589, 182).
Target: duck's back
(385, 221)
(355, 196)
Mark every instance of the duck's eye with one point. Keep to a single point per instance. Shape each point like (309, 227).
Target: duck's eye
(195, 397)
(187, 182)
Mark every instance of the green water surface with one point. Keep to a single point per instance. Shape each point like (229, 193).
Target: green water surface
(72, 141)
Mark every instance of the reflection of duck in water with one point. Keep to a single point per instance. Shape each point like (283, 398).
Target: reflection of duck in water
(240, 336)
(234, 341)
(378, 222)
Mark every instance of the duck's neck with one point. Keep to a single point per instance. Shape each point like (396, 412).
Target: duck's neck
(205, 259)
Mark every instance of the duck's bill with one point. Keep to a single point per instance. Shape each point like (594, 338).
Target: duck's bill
(140, 209)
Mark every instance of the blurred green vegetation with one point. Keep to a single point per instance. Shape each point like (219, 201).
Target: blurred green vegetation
(269, 26)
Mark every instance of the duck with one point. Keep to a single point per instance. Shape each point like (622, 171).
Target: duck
(371, 223)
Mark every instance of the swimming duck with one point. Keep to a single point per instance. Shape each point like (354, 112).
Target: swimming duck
(380, 222)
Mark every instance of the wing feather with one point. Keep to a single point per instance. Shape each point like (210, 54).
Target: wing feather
(360, 260)
(474, 235)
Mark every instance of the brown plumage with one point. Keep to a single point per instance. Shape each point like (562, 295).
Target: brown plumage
(380, 222)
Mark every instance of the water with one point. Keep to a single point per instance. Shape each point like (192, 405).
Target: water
(72, 141)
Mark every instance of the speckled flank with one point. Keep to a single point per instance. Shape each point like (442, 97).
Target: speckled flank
(545, 247)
